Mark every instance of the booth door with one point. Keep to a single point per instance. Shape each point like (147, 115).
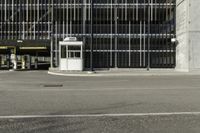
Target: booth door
(75, 60)
(63, 58)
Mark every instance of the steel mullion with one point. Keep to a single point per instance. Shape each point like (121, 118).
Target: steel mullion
(34, 19)
(144, 34)
(129, 43)
(148, 67)
(159, 42)
(67, 19)
(140, 43)
(52, 34)
(31, 21)
(103, 37)
(2, 21)
(163, 47)
(166, 39)
(12, 19)
(91, 30)
(38, 19)
(116, 32)
(111, 39)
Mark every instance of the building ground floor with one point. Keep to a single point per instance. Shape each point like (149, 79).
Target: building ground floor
(24, 55)
(105, 54)
(115, 34)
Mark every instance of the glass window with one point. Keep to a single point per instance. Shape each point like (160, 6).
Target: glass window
(70, 54)
(63, 52)
(74, 54)
(74, 48)
(77, 55)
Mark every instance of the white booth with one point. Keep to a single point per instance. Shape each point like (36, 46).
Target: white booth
(71, 54)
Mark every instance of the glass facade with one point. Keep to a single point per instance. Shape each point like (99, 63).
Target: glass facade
(116, 33)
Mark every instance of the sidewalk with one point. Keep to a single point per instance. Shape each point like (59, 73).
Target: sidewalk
(124, 72)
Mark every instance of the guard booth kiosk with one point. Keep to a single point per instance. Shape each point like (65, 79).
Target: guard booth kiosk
(71, 54)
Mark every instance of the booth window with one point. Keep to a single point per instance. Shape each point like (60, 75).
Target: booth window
(63, 52)
(74, 52)
(74, 48)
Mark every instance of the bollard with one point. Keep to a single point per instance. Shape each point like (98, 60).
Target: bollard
(8, 63)
(36, 63)
(0, 61)
(28, 62)
(23, 62)
(14, 61)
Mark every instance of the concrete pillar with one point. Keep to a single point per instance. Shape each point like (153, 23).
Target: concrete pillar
(23, 62)
(0, 61)
(14, 61)
(188, 35)
(28, 62)
(8, 61)
(182, 49)
(36, 63)
(194, 34)
(14, 58)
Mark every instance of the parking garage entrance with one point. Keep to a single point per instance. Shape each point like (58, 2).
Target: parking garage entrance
(24, 55)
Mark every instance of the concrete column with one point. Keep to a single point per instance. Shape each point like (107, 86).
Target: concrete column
(14, 58)
(23, 62)
(182, 50)
(0, 61)
(14, 61)
(8, 61)
(52, 55)
(194, 34)
(188, 35)
(36, 61)
(28, 62)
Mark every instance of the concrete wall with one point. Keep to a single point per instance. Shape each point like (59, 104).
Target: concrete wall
(194, 34)
(188, 35)
(182, 53)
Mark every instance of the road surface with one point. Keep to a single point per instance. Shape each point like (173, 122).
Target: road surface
(35, 102)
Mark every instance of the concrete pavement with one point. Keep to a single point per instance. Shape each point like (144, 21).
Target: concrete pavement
(37, 93)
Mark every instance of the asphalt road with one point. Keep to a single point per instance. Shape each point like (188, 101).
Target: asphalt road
(37, 93)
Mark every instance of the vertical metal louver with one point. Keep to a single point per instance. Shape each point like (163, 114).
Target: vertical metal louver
(126, 33)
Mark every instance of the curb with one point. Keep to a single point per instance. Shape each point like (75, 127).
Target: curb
(75, 75)
(119, 74)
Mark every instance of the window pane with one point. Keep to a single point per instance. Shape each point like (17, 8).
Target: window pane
(63, 52)
(70, 54)
(74, 48)
(77, 55)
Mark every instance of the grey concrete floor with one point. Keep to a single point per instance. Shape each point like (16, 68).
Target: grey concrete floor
(37, 93)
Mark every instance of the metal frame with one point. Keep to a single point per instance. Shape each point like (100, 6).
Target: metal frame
(116, 33)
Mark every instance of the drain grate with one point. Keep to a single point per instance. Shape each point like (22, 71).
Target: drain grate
(53, 85)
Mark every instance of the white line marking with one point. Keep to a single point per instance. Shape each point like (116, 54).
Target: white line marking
(97, 89)
(99, 115)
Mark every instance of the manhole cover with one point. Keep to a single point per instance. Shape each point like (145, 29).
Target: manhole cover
(53, 85)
